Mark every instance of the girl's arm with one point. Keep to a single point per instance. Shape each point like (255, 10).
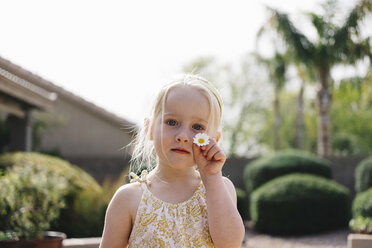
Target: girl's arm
(225, 223)
(118, 221)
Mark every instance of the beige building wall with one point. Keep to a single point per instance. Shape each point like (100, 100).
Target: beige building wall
(78, 132)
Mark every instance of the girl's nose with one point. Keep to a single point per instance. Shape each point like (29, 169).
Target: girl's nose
(182, 137)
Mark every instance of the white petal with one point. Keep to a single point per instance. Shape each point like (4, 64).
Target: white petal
(201, 136)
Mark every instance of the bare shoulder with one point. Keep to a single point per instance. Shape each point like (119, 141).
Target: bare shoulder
(228, 182)
(120, 216)
(230, 187)
(128, 196)
(129, 190)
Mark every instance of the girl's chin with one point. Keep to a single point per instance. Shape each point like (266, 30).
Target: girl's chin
(181, 166)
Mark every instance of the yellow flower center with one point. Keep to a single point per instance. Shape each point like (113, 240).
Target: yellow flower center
(201, 141)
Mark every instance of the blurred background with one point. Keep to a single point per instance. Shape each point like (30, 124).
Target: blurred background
(78, 77)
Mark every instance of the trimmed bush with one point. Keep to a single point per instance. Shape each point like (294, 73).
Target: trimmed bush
(84, 210)
(264, 169)
(362, 204)
(363, 175)
(299, 203)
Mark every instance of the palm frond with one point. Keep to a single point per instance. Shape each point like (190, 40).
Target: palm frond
(276, 67)
(302, 47)
(319, 24)
(343, 38)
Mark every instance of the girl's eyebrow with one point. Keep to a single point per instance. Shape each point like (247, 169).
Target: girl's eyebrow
(196, 119)
(201, 120)
(169, 114)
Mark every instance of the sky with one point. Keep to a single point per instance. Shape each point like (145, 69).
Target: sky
(117, 54)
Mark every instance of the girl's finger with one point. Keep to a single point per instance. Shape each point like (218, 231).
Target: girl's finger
(208, 147)
(196, 150)
(198, 154)
(219, 156)
(212, 152)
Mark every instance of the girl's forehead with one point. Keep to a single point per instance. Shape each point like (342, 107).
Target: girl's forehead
(186, 94)
(187, 98)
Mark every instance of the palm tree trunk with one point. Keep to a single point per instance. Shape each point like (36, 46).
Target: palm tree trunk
(300, 117)
(276, 121)
(324, 100)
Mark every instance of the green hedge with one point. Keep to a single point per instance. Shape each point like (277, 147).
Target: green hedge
(362, 204)
(264, 169)
(242, 203)
(299, 203)
(363, 175)
(83, 215)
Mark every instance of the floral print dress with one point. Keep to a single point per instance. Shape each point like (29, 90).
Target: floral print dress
(162, 224)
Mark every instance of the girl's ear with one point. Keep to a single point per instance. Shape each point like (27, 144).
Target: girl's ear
(218, 136)
(148, 127)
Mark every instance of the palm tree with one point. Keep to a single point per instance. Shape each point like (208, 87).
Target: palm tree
(335, 44)
(277, 67)
(306, 76)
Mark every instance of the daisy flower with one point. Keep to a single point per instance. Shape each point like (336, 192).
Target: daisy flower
(201, 139)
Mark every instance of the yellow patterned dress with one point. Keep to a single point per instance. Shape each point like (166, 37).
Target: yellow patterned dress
(162, 224)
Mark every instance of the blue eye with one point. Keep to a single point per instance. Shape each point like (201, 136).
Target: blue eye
(197, 127)
(171, 122)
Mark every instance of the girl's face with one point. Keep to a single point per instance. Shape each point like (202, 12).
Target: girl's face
(186, 113)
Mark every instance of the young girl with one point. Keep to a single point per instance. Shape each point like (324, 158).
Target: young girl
(184, 201)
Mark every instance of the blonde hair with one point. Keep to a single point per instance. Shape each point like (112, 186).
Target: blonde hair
(143, 155)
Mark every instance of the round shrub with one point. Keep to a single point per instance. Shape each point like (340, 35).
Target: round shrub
(264, 169)
(29, 202)
(363, 175)
(83, 214)
(362, 204)
(299, 203)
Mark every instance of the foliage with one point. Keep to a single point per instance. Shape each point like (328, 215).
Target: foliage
(42, 123)
(362, 204)
(352, 101)
(361, 224)
(287, 131)
(299, 203)
(266, 168)
(83, 214)
(363, 175)
(109, 187)
(242, 203)
(344, 144)
(277, 70)
(30, 200)
(335, 43)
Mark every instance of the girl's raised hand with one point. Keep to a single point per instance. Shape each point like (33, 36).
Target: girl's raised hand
(209, 158)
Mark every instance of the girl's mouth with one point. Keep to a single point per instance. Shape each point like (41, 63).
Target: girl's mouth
(180, 150)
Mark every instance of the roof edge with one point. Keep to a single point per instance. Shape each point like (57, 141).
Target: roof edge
(43, 83)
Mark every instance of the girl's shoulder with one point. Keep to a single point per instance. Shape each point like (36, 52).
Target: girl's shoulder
(128, 197)
(228, 183)
(130, 191)
(230, 187)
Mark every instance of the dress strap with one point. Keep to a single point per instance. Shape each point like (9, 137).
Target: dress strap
(141, 179)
